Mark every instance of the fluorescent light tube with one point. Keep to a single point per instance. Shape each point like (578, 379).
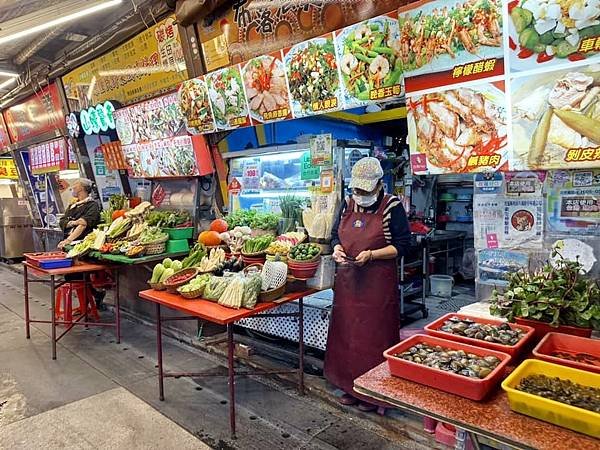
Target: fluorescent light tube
(6, 73)
(7, 83)
(25, 29)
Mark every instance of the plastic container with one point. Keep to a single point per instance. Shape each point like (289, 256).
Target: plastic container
(49, 260)
(441, 285)
(179, 233)
(303, 270)
(558, 342)
(178, 246)
(543, 328)
(541, 408)
(474, 389)
(433, 329)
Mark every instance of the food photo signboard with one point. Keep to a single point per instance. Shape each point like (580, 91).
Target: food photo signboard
(195, 106)
(228, 99)
(170, 157)
(448, 42)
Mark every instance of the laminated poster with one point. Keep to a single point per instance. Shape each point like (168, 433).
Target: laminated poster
(370, 61)
(458, 130)
(544, 34)
(556, 119)
(266, 88)
(228, 99)
(521, 184)
(446, 42)
(195, 106)
(495, 265)
(173, 157)
(573, 202)
(523, 223)
(314, 81)
(321, 150)
(488, 221)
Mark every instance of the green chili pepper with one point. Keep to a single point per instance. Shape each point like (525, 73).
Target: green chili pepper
(384, 50)
(364, 58)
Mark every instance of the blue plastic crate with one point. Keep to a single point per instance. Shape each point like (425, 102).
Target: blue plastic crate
(56, 263)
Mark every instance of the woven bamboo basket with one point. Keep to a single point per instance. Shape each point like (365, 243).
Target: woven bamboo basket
(191, 294)
(272, 295)
(157, 286)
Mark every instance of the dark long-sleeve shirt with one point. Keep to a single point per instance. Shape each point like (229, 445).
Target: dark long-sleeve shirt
(395, 224)
(89, 211)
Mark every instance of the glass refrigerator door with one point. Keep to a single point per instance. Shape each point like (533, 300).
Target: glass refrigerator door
(267, 177)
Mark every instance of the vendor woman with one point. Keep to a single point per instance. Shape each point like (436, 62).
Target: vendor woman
(369, 236)
(82, 216)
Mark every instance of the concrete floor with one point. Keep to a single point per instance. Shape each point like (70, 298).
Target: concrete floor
(98, 394)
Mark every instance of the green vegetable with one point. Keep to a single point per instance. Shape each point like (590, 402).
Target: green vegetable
(564, 49)
(252, 219)
(529, 38)
(157, 273)
(304, 252)
(119, 227)
(257, 244)
(168, 219)
(116, 202)
(152, 234)
(166, 274)
(557, 294)
(167, 262)
(547, 38)
(177, 266)
(521, 18)
(195, 256)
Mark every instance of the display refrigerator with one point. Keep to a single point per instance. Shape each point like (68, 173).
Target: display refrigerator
(258, 179)
(16, 228)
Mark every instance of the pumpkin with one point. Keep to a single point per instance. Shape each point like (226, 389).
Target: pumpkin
(219, 225)
(209, 238)
(118, 213)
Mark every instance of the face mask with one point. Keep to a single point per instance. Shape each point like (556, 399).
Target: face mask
(365, 200)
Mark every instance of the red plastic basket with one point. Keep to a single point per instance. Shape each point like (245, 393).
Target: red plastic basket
(474, 389)
(543, 328)
(558, 342)
(433, 329)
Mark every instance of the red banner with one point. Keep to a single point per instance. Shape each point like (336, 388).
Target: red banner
(38, 114)
(4, 138)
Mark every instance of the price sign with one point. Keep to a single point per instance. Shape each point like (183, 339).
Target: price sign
(234, 187)
(251, 175)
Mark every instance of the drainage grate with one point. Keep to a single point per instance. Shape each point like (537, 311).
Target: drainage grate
(453, 304)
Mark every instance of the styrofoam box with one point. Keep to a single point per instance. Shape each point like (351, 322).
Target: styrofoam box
(323, 279)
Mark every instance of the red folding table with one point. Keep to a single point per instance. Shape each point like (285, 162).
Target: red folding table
(215, 313)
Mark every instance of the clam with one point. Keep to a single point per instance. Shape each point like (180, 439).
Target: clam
(502, 334)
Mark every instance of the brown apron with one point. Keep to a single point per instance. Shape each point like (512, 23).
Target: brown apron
(366, 313)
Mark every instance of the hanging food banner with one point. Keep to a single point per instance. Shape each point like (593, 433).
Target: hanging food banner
(227, 98)
(314, 81)
(545, 34)
(266, 88)
(159, 118)
(447, 42)
(573, 201)
(38, 114)
(370, 60)
(195, 105)
(171, 157)
(458, 130)
(4, 137)
(556, 119)
(48, 157)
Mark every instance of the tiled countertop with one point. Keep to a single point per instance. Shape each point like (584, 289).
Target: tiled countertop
(491, 418)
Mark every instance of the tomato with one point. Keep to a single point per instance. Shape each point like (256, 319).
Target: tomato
(512, 5)
(544, 57)
(118, 213)
(576, 57)
(525, 53)
(512, 44)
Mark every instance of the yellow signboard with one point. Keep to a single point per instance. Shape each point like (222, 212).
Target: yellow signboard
(147, 65)
(8, 170)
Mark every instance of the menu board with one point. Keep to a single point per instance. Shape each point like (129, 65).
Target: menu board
(113, 156)
(154, 119)
(170, 157)
(48, 157)
(228, 99)
(267, 89)
(370, 60)
(459, 130)
(36, 115)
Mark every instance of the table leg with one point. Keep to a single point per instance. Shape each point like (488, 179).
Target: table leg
(161, 390)
(52, 315)
(117, 306)
(87, 287)
(231, 373)
(26, 289)
(301, 346)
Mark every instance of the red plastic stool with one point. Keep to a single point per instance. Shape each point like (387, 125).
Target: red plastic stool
(63, 304)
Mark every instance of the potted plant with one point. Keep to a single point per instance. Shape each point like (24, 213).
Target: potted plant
(558, 297)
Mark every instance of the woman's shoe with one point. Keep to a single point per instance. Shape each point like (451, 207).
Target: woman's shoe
(366, 407)
(347, 400)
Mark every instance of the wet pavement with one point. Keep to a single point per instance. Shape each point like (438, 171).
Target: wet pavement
(91, 368)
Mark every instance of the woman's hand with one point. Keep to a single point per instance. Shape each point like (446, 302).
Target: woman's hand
(62, 244)
(339, 255)
(363, 257)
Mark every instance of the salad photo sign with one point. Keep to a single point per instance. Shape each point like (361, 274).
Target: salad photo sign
(228, 99)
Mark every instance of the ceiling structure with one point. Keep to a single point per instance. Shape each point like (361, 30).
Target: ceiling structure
(41, 54)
